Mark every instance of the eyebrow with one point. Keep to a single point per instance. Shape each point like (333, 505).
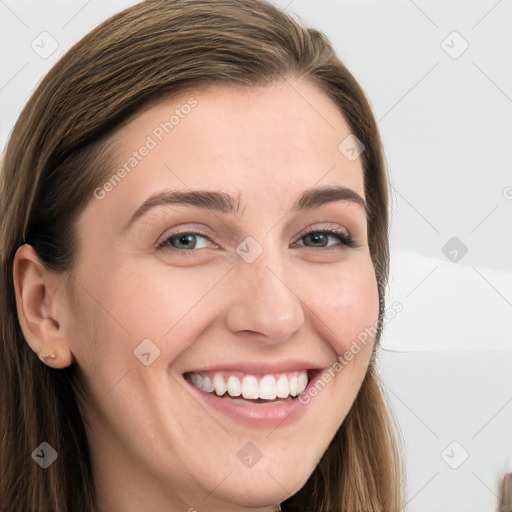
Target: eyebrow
(224, 203)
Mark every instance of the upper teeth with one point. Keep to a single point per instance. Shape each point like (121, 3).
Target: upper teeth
(268, 387)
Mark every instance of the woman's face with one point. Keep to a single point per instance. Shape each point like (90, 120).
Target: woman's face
(232, 252)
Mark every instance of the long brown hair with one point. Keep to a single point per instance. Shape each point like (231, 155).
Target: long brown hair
(59, 152)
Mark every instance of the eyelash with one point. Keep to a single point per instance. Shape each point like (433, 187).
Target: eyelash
(166, 243)
(342, 236)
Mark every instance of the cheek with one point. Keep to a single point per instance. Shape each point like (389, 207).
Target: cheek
(346, 307)
(347, 303)
(161, 304)
(172, 306)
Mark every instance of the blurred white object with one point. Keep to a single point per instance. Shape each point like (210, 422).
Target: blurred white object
(447, 306)
(454, 410)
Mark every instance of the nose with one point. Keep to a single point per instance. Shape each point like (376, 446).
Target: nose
(265, 302)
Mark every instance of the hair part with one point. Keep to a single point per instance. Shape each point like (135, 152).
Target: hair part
(63, 147)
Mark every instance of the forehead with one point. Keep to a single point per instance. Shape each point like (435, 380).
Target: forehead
(264, 144)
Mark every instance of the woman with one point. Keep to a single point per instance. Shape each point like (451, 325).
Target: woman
(194, 251)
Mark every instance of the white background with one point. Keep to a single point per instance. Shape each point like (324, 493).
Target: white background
(445, 116)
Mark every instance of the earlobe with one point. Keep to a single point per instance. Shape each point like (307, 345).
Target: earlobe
(35, 289)
(57, 359)
(57, 354)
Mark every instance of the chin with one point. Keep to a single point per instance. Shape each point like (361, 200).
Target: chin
(264, 484)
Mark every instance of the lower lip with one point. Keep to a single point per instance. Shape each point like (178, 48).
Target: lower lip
(261, 414)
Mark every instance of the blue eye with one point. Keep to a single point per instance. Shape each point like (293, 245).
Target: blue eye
(326, 238)
(185, 241)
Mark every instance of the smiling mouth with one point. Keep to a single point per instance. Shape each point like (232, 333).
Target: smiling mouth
(245, 387)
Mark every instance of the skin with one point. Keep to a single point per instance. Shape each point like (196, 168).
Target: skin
(154, 445)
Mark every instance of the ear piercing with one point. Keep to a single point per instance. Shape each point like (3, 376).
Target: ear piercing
(48, 356)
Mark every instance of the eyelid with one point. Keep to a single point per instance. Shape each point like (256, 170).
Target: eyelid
(184, 231)
(327, 227)
(344, 239)
(324, 226)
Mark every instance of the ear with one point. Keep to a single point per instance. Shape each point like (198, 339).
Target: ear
(36, 291)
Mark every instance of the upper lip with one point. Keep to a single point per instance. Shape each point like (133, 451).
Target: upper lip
(259, 368)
